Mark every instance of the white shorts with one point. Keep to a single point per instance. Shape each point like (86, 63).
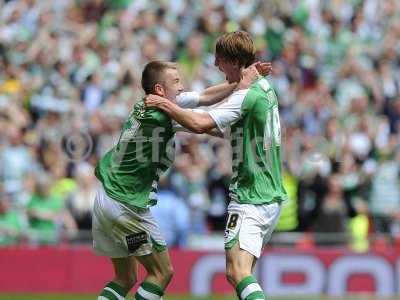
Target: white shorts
(120, 231)
(250, 225)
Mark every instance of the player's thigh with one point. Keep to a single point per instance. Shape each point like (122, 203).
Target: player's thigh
(157, 263)
(121, 231)
(244, 228)
(144, 236)
(105, 213)
(125, 268)
(271, 213)
(239, 260)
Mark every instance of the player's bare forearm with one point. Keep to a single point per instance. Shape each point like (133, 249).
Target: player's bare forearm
(194, 121)
(216, 93)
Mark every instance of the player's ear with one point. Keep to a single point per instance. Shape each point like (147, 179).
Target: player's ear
(159, 90)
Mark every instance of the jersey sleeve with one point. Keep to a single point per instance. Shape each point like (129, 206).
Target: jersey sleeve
(188, 99)
(229, 112)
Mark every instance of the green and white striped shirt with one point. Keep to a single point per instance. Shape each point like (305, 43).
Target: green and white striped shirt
(253, 116)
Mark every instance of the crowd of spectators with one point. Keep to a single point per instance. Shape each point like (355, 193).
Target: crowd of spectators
(70, 73)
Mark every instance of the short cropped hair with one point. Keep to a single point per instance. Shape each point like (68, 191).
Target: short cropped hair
(153, 73)
(236, 46)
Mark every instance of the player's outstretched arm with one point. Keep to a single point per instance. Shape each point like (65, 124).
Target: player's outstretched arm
(195, 121)
(217, 93)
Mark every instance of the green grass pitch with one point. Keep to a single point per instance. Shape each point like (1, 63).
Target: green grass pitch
(94, 297)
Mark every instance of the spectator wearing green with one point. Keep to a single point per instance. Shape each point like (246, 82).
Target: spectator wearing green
(11, 223)
(47, 213)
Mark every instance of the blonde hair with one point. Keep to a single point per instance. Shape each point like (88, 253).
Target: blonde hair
(236, 46)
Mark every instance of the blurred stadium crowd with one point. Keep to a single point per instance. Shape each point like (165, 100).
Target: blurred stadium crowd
(70, 73)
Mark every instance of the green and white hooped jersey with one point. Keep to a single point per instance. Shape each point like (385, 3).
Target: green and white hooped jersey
(253, 116)
(130, 171)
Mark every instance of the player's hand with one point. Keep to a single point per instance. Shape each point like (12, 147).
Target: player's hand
(152, 100)
(264, 68)
(249, 75)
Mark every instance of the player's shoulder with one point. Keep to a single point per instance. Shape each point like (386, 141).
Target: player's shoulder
(150, 115)
(261, 96)
(259, 87)
(262, 84)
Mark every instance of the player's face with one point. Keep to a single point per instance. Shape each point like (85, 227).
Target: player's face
(172, 85)
(230, 69)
